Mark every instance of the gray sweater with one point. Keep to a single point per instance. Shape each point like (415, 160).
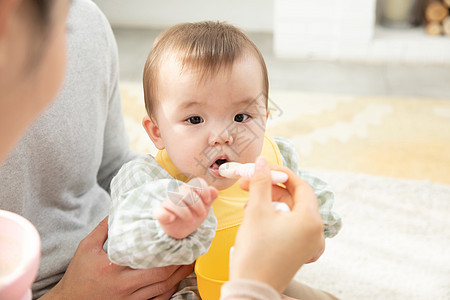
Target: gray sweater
(58, 176)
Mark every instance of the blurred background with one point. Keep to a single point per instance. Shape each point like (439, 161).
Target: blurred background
(370, 47)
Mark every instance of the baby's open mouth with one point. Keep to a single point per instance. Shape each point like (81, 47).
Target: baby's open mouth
(218, 162)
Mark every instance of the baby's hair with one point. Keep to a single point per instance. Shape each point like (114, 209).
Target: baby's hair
(206, 46)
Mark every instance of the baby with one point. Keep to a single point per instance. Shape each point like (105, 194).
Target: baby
(205, 89)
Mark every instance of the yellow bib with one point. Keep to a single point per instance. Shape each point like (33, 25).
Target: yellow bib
(212, 268)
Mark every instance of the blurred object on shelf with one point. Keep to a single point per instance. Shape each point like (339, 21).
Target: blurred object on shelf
(436, 17)
(446, 25)
(436, 11)
(400, 14)
(433, 28)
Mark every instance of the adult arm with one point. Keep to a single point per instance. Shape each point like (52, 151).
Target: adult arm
(116, 149)
(246, 289)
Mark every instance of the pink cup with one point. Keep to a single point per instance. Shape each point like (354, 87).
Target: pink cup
(20, 252)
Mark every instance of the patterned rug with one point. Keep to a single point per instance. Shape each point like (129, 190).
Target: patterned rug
(388, 161)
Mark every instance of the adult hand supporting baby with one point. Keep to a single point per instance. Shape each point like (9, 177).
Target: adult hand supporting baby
(91, 275)
(271, 246)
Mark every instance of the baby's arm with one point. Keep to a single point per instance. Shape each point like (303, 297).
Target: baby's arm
(185, 209)
(135, 237)
(331, 220)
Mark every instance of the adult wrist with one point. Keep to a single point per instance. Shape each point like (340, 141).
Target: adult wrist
(53, 293)
(248, 289)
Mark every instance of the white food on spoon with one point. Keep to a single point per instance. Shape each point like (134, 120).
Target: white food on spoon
(235, 170)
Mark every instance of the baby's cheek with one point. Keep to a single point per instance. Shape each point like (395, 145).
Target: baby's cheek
(256, 149)
(193, 167)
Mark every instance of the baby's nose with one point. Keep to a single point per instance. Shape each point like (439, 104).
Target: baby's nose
(223, 137)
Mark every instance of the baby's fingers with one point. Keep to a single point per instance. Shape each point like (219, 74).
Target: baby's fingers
(199, 209)
(207, 193)
(163, 216)
(180, 204)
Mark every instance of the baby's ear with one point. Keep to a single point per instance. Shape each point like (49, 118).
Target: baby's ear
(153, 131)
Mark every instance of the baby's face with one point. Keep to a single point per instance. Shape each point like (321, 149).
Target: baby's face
(205, 123)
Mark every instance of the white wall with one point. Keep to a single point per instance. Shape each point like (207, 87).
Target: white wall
(251, 15)
(345, 30)
(323, 29)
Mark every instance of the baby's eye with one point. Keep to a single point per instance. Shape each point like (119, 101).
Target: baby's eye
(194, 120)
(241, 118)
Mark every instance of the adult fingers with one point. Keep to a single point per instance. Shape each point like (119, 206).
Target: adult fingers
(168, 279)
(293, 179)
(299, 194)
(167, 295)
(260, 185)
(279, 194)
(305, 198)
(244, 183)
(302, 193)
(151, 276)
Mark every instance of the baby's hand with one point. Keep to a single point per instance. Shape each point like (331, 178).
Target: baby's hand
(185, 209)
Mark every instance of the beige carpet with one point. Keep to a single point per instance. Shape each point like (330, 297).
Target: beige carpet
(395, 242)
(388, 161)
